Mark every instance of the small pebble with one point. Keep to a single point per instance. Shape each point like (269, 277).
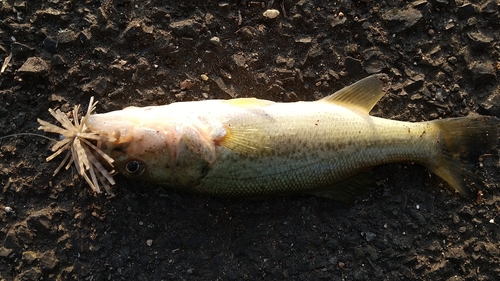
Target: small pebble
(215, 40)
(271, 14)
(186, 84)
(8, 209)
(189, 271)
(149, 242)
(204, 77)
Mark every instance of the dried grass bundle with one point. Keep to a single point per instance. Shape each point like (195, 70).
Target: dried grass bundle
(80, 150)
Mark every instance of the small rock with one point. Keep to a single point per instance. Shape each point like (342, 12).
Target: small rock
(416, 97)
(34, 65)
(370, 236)
(289, 62)
(353, 66)
(29, 256)
(402, 19)
(65, 36)
(50, 44)
(39, 223)
(49, 13)
(479, 40)
(189, 271)
(452, 60)
(374, 66)
(455, 254)
(247, 33)
(58, 60)
(84, 36)
(482, 72)
(466, 11)
(48, 261)
(492, 103)
(186, 84)
(373, 60)
(215, 40)
(490, 7)
(435, 246)
(337, 20)
(138, 30)
(304, 40)
(239, 60)
(99, 86)
(419, 3)
(271, 14)
(30, 274)
(468, 212)
(4, 252)
(414, 84)
(186, 28)
(19, 49)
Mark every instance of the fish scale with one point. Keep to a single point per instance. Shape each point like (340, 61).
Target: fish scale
(311, 157)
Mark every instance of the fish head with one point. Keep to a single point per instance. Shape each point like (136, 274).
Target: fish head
(141, 145)
(153, 148)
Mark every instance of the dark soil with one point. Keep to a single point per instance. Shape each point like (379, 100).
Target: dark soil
(442, 55)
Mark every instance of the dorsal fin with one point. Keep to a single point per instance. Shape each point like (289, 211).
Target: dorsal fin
(248, 102)
(362, 95)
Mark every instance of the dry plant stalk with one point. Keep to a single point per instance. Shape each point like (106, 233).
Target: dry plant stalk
(80, 150)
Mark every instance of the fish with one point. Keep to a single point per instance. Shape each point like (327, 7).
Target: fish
(254, 148)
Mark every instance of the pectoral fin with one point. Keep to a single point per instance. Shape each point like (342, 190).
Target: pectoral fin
(245, 140)
(362, 95)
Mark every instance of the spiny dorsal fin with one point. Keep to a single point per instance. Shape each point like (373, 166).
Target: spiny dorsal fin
(362, 95)
(248, 102)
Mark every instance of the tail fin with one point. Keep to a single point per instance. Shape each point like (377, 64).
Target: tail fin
(463, 140)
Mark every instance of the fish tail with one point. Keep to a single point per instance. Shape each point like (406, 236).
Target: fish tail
(462, 141)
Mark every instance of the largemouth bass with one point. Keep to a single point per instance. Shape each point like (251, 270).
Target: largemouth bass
(250, 147)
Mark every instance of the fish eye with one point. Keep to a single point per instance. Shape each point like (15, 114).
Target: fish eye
(134, 167)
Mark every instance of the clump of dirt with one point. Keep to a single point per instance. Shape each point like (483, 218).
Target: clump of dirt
(443, 57)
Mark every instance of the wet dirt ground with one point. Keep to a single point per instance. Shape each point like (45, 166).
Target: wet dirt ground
(443, 57)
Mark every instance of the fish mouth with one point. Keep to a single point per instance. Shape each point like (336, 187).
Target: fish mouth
(122, 134)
